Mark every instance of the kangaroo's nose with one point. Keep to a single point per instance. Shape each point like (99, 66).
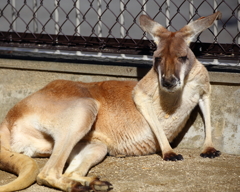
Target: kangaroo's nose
(170, 82)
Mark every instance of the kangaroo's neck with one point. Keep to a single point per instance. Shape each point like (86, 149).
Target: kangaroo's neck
(169, 102)
(149, 85)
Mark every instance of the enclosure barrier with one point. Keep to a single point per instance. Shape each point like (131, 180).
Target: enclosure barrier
(111, 26)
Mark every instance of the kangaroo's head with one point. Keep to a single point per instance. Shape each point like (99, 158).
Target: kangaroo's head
(173, 58)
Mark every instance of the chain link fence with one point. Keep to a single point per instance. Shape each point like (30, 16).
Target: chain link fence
(111, 26)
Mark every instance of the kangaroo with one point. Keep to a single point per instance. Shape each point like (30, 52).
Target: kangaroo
(77, 124)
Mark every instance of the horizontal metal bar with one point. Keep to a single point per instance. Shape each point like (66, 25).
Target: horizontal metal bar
(110, 45)
(92, 57)
(77, 43)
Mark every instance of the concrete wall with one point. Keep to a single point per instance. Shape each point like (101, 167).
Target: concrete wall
(19, 78)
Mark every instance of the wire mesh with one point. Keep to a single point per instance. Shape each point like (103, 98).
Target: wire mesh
(112, 25)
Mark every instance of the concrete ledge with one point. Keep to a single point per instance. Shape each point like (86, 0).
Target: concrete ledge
(224, 77)
(123, 71)
(76, 68)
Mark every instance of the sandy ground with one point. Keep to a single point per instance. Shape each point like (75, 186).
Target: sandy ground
(152, 174)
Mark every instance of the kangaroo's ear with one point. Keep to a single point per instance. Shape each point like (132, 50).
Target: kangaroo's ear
(191, 30)
(152, 27)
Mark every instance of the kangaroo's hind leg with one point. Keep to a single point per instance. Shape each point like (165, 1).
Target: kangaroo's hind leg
(67, 128)
(84, 156)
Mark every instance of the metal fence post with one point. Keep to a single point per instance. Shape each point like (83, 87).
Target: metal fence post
(167, 11)
(35, 24)
(215, 28)
(145, 57)
(99, 10)
(78, 27)
(238, 22)
(56, 17)
(14, 15)
(77, 16)
(122, 20)
(191, 10)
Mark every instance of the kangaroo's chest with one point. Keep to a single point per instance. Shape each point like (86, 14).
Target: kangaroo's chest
(174, 120)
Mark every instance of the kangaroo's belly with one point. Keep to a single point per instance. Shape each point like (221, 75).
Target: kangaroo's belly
(124, 130)
(130, 142)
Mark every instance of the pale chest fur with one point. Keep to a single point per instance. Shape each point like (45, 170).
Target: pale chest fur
(185, 102)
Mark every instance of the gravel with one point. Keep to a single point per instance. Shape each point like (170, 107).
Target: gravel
(151, 174)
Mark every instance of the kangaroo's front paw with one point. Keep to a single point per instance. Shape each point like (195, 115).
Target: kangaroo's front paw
(172, 157)
(210, 152)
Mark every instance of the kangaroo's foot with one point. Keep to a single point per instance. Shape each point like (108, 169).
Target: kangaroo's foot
(171, 156)
(210, 152)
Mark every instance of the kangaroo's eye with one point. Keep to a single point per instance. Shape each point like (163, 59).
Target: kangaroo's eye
(182, 59)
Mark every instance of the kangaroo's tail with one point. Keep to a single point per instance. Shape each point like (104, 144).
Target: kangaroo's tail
(25, 167)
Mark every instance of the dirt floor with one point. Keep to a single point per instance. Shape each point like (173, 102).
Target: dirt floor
(152, 174)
